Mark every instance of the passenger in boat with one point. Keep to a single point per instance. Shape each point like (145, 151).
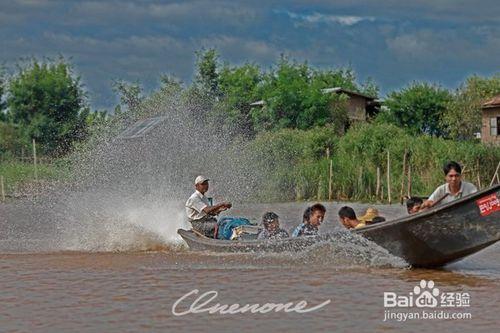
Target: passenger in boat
(371, 213)
(348, 218)
(271, 230)
(312, 219)
(413, 205)
(200, 212)
(306, 215)
(377, 219)
(455, 188)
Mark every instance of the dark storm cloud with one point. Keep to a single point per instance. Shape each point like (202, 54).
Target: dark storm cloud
(392, 41)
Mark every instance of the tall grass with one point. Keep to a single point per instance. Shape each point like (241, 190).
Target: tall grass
(297, 167)
(18, 173)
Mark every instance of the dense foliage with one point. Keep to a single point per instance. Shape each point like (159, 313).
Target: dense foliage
(292, 135)
(417, 108)
(297, 166)
(462, 117)
(45, 102)
(290, 93)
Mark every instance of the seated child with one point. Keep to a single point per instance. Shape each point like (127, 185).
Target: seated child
(312, 219)
(371, 216)
(272, 230)
(413, 205)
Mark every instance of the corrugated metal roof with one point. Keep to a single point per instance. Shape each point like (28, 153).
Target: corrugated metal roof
(494, 102)
(329, 90)
(345, 91)
(141, 127)
(258, 103)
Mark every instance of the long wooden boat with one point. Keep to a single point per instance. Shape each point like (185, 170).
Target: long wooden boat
(435, 237)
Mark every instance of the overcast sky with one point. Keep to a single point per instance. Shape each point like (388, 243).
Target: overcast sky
(392, 41)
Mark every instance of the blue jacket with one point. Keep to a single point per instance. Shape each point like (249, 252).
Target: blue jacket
(304, 230)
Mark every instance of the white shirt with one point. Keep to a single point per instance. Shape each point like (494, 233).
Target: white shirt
(195, 205)
(465, 189)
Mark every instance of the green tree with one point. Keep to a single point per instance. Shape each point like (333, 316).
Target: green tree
(294, 98)
(48, 102)
(370, 88)
(207, 73)
(3, 116)
(171, 84)
(283, 92)
(96, 118)
(342, 77)
(418, 108)
(462, 117)
(239, 87)
(11, 139)
(204, 93)
(130, 94)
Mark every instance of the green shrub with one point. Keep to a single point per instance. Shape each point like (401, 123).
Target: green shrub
(295, 165)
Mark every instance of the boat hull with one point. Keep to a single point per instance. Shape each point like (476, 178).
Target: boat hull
(442, 235)
(202, 243)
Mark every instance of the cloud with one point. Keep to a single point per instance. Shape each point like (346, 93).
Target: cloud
(345, 20)
(449, 45)
(173, 13)
(238, 49)
(138, 57)
(32, 3)
(437, 10)
(99, 61)
(391, 40)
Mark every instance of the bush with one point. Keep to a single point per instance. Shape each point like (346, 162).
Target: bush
(295, 165)
(289, 160)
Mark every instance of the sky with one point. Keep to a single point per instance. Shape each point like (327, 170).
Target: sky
(394, 42)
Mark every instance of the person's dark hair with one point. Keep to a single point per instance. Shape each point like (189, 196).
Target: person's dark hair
(307, 214)
(319, 207)
(269, 217)
(377, 219)
(451, 165)
(411, 202)
(348, 212)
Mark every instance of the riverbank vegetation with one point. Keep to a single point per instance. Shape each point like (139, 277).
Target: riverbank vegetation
(301, 168)
(280, 113)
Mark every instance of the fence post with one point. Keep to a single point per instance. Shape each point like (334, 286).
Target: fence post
(319, 189)
(360, 180)
(478, 175)
(409, 178)
(403, 179)
(377, 189)
(389, 177)
(3, 188)
(34, 160)
(330, 182)
(495, 175)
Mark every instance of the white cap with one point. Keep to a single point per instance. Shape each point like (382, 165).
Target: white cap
(200, 179)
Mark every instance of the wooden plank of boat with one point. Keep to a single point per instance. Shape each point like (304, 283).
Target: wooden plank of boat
(432, 238)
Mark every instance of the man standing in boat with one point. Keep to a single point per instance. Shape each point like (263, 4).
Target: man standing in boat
(455, 188)
(200, 211)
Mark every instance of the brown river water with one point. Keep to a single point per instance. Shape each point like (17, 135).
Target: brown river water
(48, 287)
